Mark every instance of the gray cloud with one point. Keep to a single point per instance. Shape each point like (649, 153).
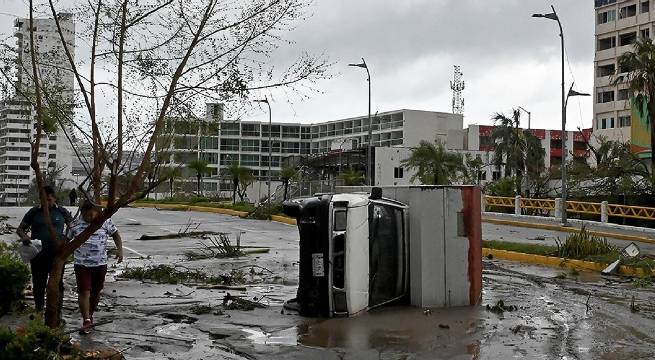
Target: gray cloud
(508, 57)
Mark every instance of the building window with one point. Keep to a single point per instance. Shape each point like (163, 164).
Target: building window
(628, 11)
(52, 156)
(606, 16)
(645, 7)
(53, 147)
(627, 38)
(644, 33)
(605, 70)
(623, 94)
(604, 122)
(398, 173)
(605, 96)
(600, 3)
(624, 121)
(606, 43)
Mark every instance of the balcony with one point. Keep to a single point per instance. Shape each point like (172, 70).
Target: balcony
(579, 153)
(556, 152)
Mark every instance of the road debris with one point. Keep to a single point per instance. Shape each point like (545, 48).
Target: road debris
(500, 307)
(169, 274)
(231, 302)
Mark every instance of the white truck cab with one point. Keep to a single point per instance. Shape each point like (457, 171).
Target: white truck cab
(354, 252)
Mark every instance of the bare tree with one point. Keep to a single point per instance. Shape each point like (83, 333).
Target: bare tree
(155, 61)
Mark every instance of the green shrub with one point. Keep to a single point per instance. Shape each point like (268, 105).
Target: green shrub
(15, 275)
(35, 342)
(264, 212)
(582, 245)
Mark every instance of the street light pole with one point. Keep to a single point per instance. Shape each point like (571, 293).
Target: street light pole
(369, 167)
(553, 16)
(270, 145)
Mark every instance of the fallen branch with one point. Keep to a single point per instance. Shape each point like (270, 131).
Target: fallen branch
(222, 287)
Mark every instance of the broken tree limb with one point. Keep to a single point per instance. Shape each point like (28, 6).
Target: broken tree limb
(222, 287)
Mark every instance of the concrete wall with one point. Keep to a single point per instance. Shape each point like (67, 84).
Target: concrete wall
(428, 125)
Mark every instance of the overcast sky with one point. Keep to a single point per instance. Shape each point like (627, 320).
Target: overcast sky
(507, 57)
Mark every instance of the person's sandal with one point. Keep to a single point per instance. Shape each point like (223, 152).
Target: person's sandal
(86, 326)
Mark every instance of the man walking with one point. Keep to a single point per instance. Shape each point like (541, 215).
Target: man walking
(35, 222)
(72, 197)
(91, 260)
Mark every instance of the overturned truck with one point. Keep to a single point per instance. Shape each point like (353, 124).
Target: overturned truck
(367, 247)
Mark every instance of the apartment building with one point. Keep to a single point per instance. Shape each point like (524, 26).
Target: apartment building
(247, 143)
(17, 115)
(619, 23)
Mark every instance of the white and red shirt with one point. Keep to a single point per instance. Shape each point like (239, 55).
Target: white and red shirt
(94, 251)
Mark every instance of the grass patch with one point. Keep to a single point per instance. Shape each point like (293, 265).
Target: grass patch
(582, 245)
(535, 249)
(167, 274)
(200, 201)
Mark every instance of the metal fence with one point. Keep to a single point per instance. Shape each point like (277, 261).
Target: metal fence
(552, 207)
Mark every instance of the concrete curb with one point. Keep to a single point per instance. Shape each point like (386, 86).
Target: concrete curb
(560, 262)
(554, 227)
(283, 219)
(182, 207)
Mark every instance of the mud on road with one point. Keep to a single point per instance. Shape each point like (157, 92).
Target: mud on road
(546, 314)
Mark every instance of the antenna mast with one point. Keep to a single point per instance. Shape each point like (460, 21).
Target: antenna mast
(457, 85)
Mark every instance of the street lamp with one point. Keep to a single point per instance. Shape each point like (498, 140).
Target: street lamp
(529, 115)
(564, 153)
(369, 167)
(270, 145)
(553, 16)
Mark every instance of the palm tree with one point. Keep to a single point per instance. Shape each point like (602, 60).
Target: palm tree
(241, 178)
(352, 177)
(509, 145)
(640, 67)
(287, 174)
(170, 174)
(434, 165)
(233, 173)
(200, 166)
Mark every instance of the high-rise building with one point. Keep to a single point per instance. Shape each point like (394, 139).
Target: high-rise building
(619, 23)
(17, 115)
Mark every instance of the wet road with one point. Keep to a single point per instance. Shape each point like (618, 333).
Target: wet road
(560, 315)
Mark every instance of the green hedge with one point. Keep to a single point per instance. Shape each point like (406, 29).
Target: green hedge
(15, 275)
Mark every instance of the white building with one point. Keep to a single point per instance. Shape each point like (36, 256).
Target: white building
(619, 23)
(247, 142)
(16, 115)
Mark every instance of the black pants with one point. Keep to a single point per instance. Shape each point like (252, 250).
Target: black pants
(41, 266)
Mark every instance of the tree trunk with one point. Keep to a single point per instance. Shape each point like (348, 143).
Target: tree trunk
(171, 186)
(286, 188)
(54, 297)
(235, 184)
(651, 113)
(198, 186)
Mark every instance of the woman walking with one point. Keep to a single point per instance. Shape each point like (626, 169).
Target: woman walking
(91, 260)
